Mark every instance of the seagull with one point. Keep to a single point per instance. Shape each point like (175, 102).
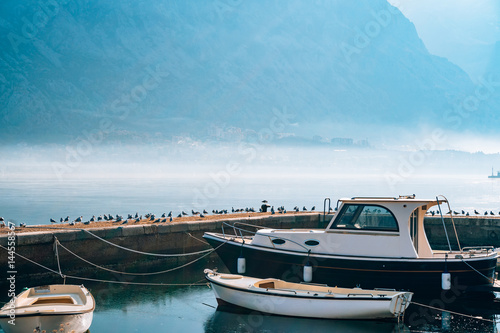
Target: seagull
(486, 213)
(1, 219)
(184, 213)
(86, 222)
(205, 211)
(156, 221)
(72, 223)
(99, 218)
(61, 220)
(164, 220)
(476, 212)
(92, 219)
(179, 215)
(201, 215)
(66, 219)
(491, 212)
(170, 218)
(52, 221)
(463, 212)
(467, 214)
(313, 208)
(304, 208)
(170, 214)
(136, 215)
(22, 225)
(272, 210)
(137, 220)
(194, 213)
(79, 219)
(164, 215)
(124, 222)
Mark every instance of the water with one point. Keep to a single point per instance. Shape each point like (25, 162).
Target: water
(130, 308)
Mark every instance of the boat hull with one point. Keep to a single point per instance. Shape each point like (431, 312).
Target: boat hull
(421, 276)
(357, 304)
(77, 323)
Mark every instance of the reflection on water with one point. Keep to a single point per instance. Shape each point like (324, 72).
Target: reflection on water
(224, 320)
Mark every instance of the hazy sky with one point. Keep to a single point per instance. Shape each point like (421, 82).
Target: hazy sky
(463, 31)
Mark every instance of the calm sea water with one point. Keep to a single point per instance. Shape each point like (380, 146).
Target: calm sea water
(132, 308)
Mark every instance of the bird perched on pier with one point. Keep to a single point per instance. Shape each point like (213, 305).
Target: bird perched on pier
(66, 219)
(491, 212)
(152, 218)
(297, 209)
(467, 214)
(124, 222)
(201, 215)
(169, 214)
(180, 215)
(136, 215)
(79, 219)
(99, 218)
(476, 212)
(22, 225)
(313, 208)
(170, 218)
(129, 217)
(92, 219)
(136, 220)
(184, 213)
(456, 213)
(163, 215)
(164, 220)
(61, 220)
(486, 213)
(72, 223)
(272, 210)
(1, 219)
(156, 221)
(205, 211)
(194, 213)
(463, 212)
(86, 222)
(53, 221)
(304, 208)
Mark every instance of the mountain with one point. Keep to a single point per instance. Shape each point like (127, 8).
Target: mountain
(204, 69)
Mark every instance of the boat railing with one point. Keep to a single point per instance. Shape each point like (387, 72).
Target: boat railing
(478, 249)
(238, 233)
(360, 295)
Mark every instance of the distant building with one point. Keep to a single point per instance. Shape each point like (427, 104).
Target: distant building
(342, 141)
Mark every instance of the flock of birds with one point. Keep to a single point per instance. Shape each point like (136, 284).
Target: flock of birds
(463, 213)
(150, 217)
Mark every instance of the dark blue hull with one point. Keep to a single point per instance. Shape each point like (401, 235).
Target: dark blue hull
(423, 277)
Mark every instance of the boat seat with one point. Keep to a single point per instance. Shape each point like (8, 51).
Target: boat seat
(52, 300)
(267, 285)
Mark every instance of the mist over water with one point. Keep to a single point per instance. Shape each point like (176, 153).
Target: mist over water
(128, 181)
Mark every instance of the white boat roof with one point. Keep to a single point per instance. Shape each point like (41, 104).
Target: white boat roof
(405, 198)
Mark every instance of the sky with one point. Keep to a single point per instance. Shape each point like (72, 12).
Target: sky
(463, 31)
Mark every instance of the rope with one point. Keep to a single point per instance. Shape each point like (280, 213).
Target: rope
(456, 313)
(33, 262)
(138, 274)
(488, 278)
(131, 250)
(201, 240)
(111, 281)
(56, 241)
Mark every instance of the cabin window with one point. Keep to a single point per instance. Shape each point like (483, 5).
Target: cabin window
(365, 217)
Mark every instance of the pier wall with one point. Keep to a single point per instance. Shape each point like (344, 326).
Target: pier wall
(169, 238)
(186, 237)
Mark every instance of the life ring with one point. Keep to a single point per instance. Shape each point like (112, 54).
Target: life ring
(493, 235)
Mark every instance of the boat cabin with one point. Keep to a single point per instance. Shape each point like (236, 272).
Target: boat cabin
(370, 227)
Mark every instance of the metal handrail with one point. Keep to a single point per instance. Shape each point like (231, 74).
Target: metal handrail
(254, 233)
(452, 222)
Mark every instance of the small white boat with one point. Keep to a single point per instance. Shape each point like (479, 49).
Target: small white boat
(307, 300)
(52, 308)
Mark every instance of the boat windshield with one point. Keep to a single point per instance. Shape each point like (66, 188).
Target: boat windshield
(365, 217)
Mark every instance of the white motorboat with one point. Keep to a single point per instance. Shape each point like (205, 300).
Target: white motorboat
(307, 300)
(52, 308)
(370, 242)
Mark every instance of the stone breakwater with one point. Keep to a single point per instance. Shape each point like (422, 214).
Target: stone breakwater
(166, 238)
(186, 237)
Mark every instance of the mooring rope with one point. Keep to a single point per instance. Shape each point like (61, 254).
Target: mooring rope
(453, 312)
(492, 280)
(58, 243)
(128, 249)
(109, 281)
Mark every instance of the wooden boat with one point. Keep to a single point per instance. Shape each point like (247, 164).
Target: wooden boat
(52, 308)
(370, 242)
(306, 300)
